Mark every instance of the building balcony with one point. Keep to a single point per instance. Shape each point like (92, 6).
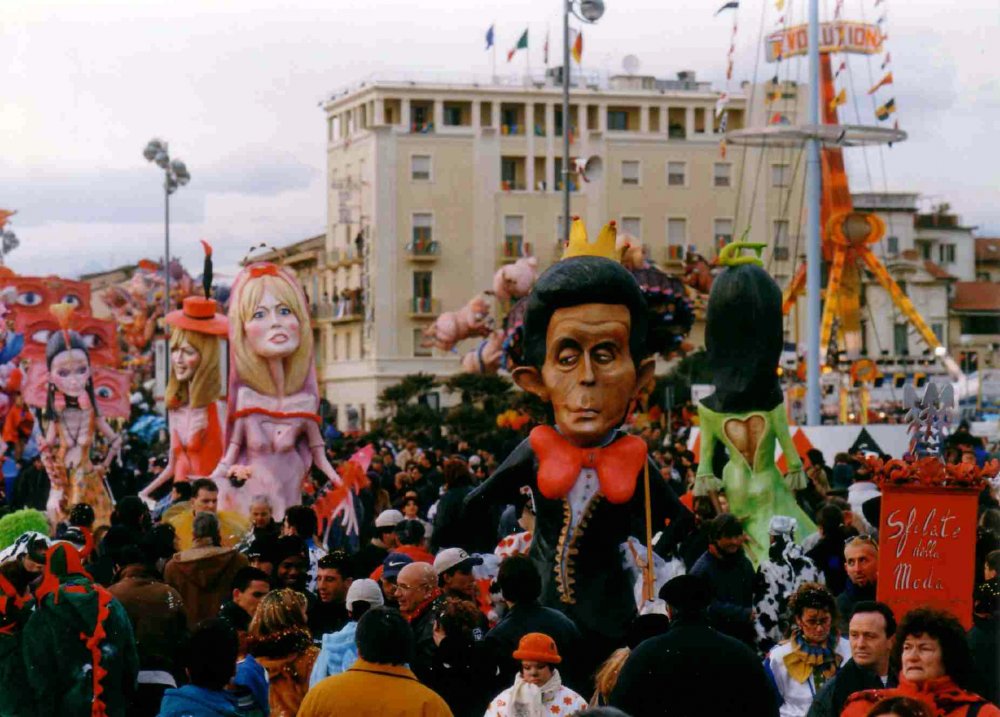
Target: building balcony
(323, 311)
(514, 248)
(424, 307)
(423, 250)
(507, 185)
(674, 255)
(421, 128)
(344, 256)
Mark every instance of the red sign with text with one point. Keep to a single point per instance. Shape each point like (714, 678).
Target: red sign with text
(928, 549)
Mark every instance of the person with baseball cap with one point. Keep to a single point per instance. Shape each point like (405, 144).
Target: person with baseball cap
(370, 557)
(390, 569)
(339, 649)
(537, 688)
(454, 571)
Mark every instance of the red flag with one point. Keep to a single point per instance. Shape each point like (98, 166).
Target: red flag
(577, 50)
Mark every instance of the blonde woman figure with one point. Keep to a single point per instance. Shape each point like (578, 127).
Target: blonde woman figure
(73, 423)
(280, 641)
(194, 387)
(273, 432)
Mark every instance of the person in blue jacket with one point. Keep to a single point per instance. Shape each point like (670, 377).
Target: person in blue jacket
(339, 649)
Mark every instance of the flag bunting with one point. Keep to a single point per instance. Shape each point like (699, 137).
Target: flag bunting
(840, 99)
(885, 110)
(887, 80)
(577, 50)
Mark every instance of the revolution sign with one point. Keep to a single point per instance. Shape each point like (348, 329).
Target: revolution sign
(854, 37)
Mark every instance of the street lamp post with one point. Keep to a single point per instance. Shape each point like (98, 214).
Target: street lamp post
(175, 175)
(590, 12)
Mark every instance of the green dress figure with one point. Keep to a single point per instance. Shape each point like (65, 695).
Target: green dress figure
(746, 413)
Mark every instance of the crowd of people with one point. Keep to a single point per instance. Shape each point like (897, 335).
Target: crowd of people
(177, 608)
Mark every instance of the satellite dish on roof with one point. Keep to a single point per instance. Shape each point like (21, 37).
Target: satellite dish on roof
(631, 64)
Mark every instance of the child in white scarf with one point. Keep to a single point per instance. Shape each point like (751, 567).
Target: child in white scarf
(537, 690)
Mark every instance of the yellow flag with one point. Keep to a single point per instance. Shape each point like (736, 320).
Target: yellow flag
(840, 99)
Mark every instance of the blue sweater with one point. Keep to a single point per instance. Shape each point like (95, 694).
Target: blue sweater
(191, 701)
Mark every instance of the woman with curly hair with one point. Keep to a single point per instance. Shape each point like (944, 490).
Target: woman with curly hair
(936, 669)
(280, 641)
(812, 655)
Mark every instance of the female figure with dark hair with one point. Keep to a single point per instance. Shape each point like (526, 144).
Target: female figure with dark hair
(73, 423)
(900, 707)
(279, 640)
(462, 671)
(746, 413)
(936, 669)
(802, 664)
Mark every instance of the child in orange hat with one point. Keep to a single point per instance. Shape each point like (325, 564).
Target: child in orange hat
(537, 690)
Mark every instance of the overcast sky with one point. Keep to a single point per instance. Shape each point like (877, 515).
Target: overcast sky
(234, 85)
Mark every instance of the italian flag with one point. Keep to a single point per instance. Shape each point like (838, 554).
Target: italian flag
(522, 44)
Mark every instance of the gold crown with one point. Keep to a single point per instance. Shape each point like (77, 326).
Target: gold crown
(605, 245)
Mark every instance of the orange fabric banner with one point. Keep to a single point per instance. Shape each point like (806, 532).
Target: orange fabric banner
(928, 548)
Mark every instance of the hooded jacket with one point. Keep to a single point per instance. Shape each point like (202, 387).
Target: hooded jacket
(16, 698)
(338, 652)
(203, 575)
(78, 644)
(190, 700)
(157, 614)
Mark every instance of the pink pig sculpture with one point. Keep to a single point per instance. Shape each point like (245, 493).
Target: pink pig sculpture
(449, 328)
(515, 280)
(486, 357)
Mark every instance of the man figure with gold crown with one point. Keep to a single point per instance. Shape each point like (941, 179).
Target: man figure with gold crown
(585, 354)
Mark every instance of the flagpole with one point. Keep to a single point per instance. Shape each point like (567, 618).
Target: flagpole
(814, 256)
(565, 120)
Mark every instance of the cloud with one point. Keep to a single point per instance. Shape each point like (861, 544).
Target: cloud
(43, 194)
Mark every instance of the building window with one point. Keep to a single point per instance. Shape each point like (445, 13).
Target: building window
(618, 120)
(422, 230)
(938, 330)
(676, 174)
(900, 345)
(419, 350)
(632, 226)
(420, 167)
(925, 249)
(630, 172)
(423, 288)
(508, 171)
(723, 232)
(946, 253)
(676, 238)
(781, 240)
(452, 116)
(892, 245)
(513, 236)
(781, 175)
(723, 170)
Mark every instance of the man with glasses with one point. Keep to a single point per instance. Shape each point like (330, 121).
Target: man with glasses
(861, 564)
(416, 590)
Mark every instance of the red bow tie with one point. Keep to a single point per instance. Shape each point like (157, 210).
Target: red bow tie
(560, 462)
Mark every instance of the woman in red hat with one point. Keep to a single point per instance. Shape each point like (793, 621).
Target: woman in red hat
(537, 690)
(194, 387)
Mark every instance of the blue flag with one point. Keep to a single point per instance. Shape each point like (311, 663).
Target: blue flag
(489, 38)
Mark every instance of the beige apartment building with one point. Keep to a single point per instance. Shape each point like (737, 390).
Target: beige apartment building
(434, 185)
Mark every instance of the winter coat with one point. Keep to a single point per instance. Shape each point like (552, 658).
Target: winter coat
(288, 679)
(192, 701)
(942, 695)
(16, 697)
(984, 641)
(157, 614)
(368, 689)
(203, 575)
(828, 554)
(732, 579)
(796, 697)
(253, 678)
(553, 698)
(829, 701)
(338, 652)
(464, 674)
(693, 671)
(72, 611)
(422, 624)
(524, 618)
(325, 618)
(453, 530)
(846, 601)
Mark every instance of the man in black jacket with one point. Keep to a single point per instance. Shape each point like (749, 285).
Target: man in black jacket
(520, 587)
(731, 576)
(871, 629)
(693, 670)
